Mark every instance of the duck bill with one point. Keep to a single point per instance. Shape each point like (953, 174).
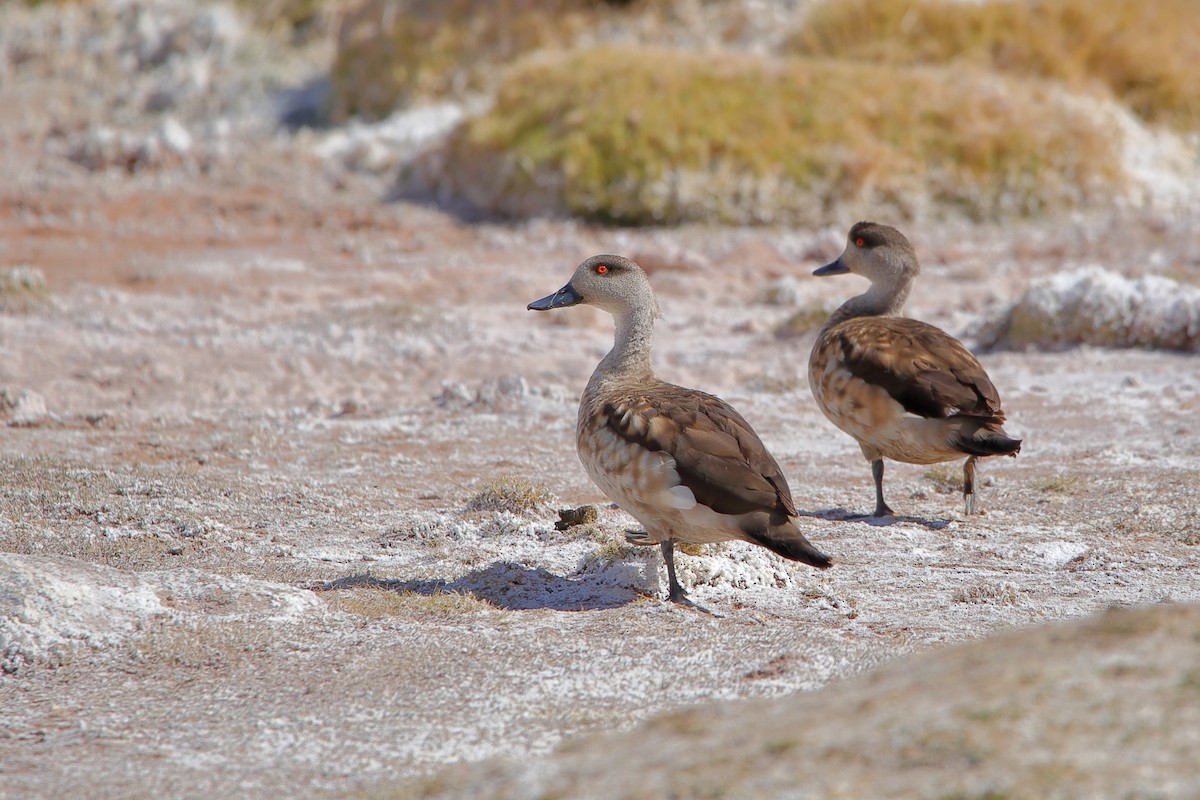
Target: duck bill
(566, 296)
(836, 268)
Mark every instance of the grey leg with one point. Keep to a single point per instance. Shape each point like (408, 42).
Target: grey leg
(881, 508)
(969, 486)
(677, 594)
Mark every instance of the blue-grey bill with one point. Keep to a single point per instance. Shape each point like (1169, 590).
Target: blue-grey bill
(836, 268)
(566, 296)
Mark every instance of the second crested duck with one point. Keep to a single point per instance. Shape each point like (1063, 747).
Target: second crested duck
(681, 462)
(903, 389)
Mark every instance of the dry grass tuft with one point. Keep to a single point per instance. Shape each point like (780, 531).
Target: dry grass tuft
(511, 494)
(946, 478)
(1145, 53)
(198, 645)
(638, 136)
(1001, 593)
(1060, 484)
(22, 289)
(1177, 519)
(381, 603)
(805, 320)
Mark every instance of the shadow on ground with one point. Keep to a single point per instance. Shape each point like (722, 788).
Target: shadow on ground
(516, 587)
(842, 515)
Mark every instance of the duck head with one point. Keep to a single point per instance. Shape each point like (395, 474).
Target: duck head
(613, 283)
(878, 252)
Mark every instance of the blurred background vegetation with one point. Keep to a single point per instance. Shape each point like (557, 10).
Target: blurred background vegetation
(668, 111)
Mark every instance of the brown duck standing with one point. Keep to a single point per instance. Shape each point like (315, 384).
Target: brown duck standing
(903, 389)
(681, 462)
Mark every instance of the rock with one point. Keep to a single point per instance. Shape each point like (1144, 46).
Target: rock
(393, 142)
(26, 408)
(570, 517)
(174, 137)
(1096, 306)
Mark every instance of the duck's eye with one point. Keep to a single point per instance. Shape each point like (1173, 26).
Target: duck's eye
(861, 242)
(602, 269)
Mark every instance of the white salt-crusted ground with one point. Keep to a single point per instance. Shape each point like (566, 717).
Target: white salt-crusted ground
(244, 429)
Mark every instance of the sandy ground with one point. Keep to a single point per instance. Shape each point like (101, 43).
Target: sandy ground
(240, 553)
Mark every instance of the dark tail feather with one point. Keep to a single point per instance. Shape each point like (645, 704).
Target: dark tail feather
(789, 542)
(986, 443)
(983, 436)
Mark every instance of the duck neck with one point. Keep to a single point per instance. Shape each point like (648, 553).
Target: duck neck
(630, 354)
(881, 300)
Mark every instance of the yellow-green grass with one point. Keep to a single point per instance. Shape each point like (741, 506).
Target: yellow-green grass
(639, 136)
(1145, 51)
(435, 48)
(376, 603)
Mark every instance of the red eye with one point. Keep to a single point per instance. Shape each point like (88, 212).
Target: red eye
(602, 269)
(861, 242)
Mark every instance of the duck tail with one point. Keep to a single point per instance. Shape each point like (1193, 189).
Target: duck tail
(987, 441)
(786, 540)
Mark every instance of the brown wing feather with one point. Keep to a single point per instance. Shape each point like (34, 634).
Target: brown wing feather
(717, 454)
(923, 368)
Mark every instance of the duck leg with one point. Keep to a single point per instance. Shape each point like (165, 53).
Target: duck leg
(969, 486)
(881, 508)
(677, 594)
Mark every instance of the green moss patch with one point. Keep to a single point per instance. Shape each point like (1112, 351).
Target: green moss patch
(635, 136)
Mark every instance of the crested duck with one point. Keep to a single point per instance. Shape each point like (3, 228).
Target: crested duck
(683, 463)
(903, 389)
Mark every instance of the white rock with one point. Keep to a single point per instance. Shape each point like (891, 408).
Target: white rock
(1058, 553)
(393, 141)
(1095, 306)
(174, 137)
(28, 408)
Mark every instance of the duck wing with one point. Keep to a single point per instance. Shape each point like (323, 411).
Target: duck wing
(718, 456)
(923, 368)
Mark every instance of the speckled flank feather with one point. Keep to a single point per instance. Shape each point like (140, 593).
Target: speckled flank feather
(687, 466)
(904, 389)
